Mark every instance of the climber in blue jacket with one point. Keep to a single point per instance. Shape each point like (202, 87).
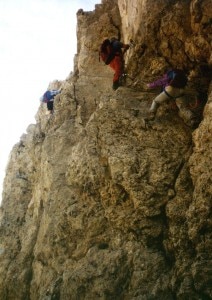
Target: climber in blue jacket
(48, 98)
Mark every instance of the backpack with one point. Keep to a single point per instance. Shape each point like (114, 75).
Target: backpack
(177, 78)
(106, 52)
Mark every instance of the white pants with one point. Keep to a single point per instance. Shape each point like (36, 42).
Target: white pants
(184, 112)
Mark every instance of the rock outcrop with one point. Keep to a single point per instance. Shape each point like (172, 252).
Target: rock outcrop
(98, 203)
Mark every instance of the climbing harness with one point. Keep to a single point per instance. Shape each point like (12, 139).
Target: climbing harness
(172, 97)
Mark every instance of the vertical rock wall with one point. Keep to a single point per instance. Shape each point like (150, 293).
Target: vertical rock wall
(97, 204)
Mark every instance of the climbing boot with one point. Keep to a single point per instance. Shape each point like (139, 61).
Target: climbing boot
(151, 116)
(194, 122)
(115, 85)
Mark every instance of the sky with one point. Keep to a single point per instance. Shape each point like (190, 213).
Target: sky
(37, 46)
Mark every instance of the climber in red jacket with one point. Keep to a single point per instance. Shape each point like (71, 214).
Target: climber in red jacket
(117, 64)
(111, 53)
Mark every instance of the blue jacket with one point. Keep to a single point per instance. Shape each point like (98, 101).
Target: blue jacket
(49, 96)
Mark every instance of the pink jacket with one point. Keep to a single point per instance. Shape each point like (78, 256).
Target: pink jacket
(163, 81)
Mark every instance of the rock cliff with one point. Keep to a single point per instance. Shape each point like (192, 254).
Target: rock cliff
(98, 203)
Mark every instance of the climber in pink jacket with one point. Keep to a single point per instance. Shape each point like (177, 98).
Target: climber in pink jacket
(173, 87)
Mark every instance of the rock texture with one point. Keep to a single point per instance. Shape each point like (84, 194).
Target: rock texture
(99, 204)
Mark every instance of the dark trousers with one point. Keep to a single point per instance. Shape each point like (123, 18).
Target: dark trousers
(50, 105)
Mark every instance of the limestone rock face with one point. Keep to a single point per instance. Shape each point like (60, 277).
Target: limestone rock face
(97, 202)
